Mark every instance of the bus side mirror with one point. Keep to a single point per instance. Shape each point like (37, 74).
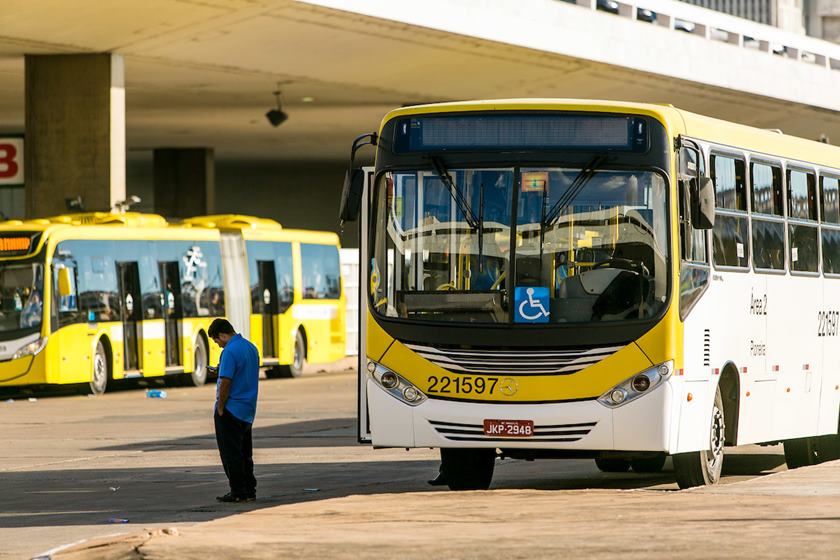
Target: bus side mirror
(703, 203)
(65, 286)
(351, 195)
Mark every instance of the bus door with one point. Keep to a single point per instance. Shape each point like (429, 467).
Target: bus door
(268, 290)
(129, 279)
(363, 425)
(173, 310)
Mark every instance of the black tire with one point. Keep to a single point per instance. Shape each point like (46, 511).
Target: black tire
(295, 369)
(828, 447)
(649, 464)
(467, 469)
(198, 377)
(612, 465)
(100, 379)
(703, 468)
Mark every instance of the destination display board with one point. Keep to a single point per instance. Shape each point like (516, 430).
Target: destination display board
(14, 244)
(523, 131)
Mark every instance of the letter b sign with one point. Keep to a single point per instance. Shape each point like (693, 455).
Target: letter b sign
(11, 161)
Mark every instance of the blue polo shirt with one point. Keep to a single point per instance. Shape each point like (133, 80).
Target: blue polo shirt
(240, 363)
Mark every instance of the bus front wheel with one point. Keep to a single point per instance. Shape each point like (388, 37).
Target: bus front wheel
(467, 469)
(703, 468)
(101, 370)
(198, 377)
(295, 369)
(612, 465)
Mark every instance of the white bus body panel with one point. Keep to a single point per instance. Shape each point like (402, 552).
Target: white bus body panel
(641, 425)
(829, 393)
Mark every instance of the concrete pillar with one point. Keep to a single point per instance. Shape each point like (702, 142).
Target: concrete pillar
(184, 181)
(75, 132)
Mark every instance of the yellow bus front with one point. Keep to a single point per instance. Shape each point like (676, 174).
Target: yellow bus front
(23, 327)
(521, 273)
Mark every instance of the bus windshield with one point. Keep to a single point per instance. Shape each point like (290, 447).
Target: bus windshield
(542, 245)
(22, 289)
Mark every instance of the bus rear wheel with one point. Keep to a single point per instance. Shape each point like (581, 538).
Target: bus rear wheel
(703, 468)
(612, 465)
(295, 369)
(804, 452)
(101, 376)
(467, 469)
(198, 377)
(648, 464)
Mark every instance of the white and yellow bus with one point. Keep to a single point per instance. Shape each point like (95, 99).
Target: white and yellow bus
(94, 298)
(620, 281)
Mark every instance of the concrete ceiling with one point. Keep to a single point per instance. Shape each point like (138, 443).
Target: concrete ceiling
(202, 72)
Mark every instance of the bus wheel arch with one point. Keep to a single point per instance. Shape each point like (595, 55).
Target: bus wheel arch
(730, 394)
(299, 355)
(102, 368)
(704, 467)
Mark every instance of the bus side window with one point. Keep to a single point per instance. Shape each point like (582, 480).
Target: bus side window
(730, 235)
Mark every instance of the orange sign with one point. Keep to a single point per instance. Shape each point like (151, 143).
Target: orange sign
(534, 181)
(16, 244)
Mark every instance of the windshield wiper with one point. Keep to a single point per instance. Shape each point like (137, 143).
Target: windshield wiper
(581, 179)
(456, 195)
(476, 224)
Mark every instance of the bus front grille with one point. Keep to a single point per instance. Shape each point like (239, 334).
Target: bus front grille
(513, 362)
(475, 432)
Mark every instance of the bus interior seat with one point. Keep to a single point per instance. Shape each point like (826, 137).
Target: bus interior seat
(528, 271)
(572, 304)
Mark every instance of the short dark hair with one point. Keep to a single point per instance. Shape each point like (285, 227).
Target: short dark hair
(220, 326)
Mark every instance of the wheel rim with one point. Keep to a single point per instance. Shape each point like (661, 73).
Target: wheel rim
(199, 365)
(100, 371)
(298, 353)
(714, 459)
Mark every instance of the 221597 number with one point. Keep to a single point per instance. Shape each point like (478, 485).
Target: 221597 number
(462, 384)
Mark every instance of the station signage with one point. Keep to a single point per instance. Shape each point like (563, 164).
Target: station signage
(11, 161)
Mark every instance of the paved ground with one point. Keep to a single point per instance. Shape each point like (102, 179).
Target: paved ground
(71, 464)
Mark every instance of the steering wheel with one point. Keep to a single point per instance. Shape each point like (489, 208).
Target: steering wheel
(621, 263)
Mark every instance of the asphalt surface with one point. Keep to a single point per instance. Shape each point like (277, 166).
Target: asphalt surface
(77, 468)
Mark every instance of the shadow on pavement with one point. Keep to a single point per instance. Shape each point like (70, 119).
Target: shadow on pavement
(326, 432)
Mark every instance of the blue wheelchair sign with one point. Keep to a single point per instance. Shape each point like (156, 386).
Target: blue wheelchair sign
(531, 305)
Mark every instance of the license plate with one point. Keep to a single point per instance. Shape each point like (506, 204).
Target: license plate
(509, 428)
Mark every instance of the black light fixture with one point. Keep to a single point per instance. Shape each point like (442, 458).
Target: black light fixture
(276, 116)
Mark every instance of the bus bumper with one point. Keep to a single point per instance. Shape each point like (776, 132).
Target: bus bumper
(641, 425)
(28, 370)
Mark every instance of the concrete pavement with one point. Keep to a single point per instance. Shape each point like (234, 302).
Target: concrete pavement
(73, 463)
(784, 515)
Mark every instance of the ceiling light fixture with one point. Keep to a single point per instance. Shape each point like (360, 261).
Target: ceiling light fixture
(277, 116)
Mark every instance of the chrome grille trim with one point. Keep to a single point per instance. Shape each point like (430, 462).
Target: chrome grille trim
(507, 362)
(563, 433)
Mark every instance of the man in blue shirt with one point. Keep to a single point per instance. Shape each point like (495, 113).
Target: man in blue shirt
(236, 405)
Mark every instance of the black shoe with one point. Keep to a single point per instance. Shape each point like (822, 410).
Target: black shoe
(235, 498)
(439, 480)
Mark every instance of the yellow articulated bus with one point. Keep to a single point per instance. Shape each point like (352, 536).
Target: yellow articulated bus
(287, 289)
(619, 281)
(94, 298)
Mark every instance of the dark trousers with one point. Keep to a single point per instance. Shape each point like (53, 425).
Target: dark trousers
(236, 450)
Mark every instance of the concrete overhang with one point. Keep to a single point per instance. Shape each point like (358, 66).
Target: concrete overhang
(202, 73)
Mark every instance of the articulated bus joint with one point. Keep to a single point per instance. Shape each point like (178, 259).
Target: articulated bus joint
(394, 384)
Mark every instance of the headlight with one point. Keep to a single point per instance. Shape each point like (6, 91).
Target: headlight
(30, 349)
(395, 385)
(634, 387)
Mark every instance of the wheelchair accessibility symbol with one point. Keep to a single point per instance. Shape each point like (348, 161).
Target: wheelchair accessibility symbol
(531, 305)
